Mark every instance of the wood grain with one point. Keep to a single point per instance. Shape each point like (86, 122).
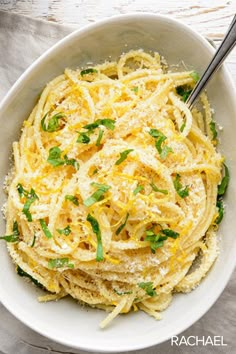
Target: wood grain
(211, 18)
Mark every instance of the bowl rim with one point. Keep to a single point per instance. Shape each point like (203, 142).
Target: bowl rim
(209, 302)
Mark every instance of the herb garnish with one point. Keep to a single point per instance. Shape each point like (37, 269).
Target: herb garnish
(182, 127)
(120, 228)
(71, 162)
(182, 191)
(123, 156)
(83, 138)
(100, 135)
(148, 287)
(224, 182)
(222, 188)
(135, 89)
(157, 240)
(22, 273)
(55, 159)
(66, 231)
(108, 123)
(156, 189)
(88, 71)
(159, 140)
(72, 199)
(213, 130)
(195, 76)
(53, 123)
(138, 189)
(45, 228)
(30, 196)
(98, 195)
(120, 293)
(59, 263)
(33, 242)
(220, 207)
(183, 92)
(96, 229)
(14, 237)
(20, 190)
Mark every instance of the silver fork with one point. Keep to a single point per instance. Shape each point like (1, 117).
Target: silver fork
(222, 52)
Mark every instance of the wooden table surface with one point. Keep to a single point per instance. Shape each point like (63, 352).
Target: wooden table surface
(209, 17)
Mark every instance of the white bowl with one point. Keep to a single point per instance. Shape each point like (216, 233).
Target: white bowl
(66, 321)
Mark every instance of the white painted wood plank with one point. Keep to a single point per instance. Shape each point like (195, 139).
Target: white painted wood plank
(210, 17)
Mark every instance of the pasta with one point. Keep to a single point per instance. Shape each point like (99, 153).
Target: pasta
(113, 195)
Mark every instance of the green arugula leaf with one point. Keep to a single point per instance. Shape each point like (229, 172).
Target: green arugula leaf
(195, 76)
(183, 192)
(156, 189)
(96, 229)
(165, 151)
(72, 199)
(155, 133)
(148, 287)
(120, 293)
(66, 231)
(26, 207)
(183, 92)
(60, 263)
(56, 160)
(30, 196)
(220, 207)
(20, 190)
(123, 156)
(213, 130)
(135, 89)
(138, 189)
(108, 123)
(96, 196)
(104, 187)
(88, 71)
(45, 228)
(182, 127)
(160, 138)
(170, 233)
(83, 138)
(33, 242)
(120, 228)
(54, 157)
(157, 240)
(222, 188)
(53, 123)
(22, 273)
(71, 162)
(13, 237)
(100, 135)
(30, 199)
